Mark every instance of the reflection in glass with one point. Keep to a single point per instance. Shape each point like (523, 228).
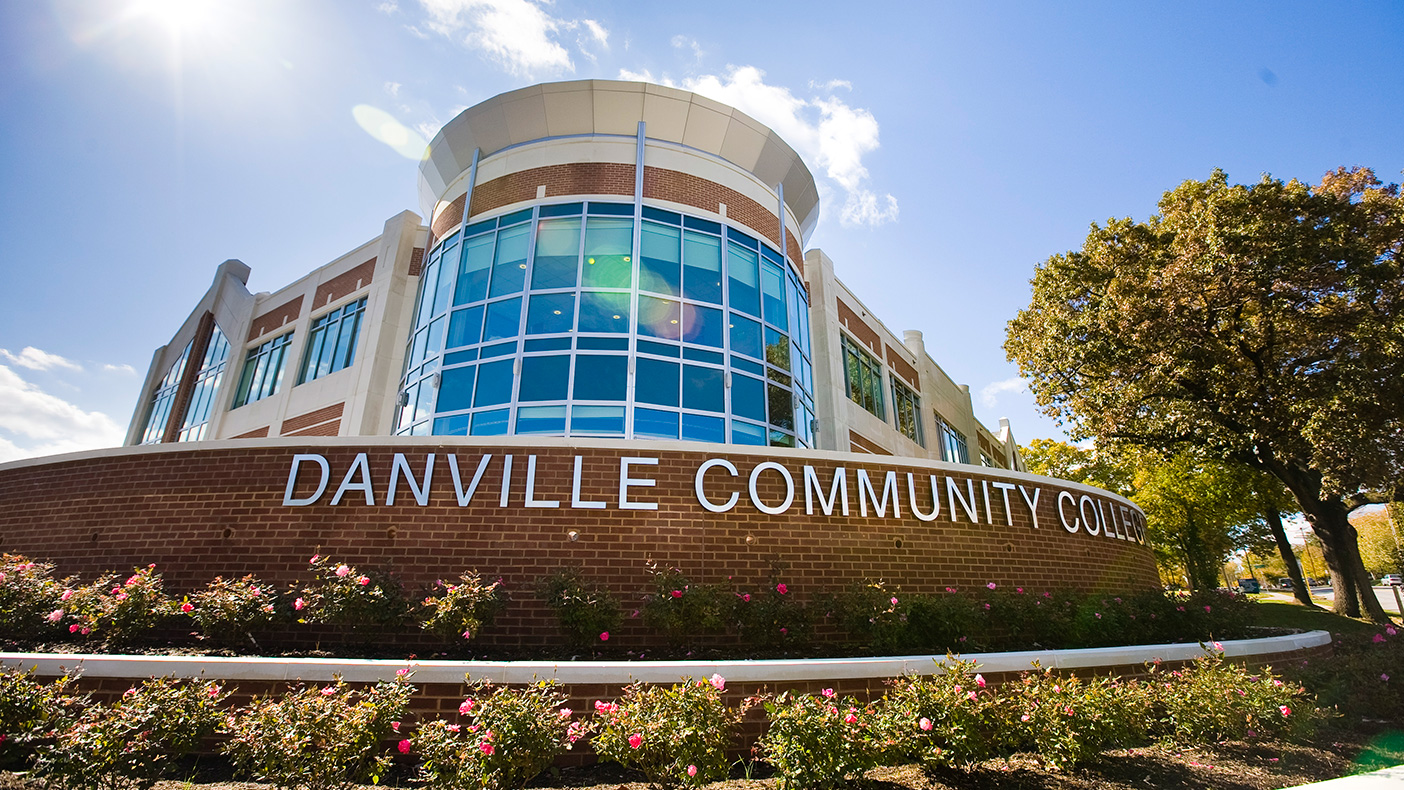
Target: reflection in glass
(597, 420)
(503, 319)
(548, 314)
(702, 325)
(600, 377)
(456, 388)
(465, 327)
(660, 318)
(604, 312)
(744, 277)
(660, 265)
(656, 382)
(473, 273)
(609, 244)
(494, 383)
(655, 424)
(704, 389)
(544, 378)
(702, 267)
(541, 420)
(557, 253)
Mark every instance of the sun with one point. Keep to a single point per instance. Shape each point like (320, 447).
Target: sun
(180, 18)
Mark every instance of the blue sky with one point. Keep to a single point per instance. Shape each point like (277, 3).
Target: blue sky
(957, 145)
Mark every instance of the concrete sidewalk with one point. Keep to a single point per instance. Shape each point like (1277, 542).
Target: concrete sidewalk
(1383, 779)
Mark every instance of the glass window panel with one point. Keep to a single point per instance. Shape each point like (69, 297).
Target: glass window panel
(407, 411)
(456, 389)
(656, 382)
(541, 419)
(747, 365)
(597, 421)
(465, 327)
(702, 428)
(700, 355)
(459, 357)
(618, 209)
(600, 377)
(704, 389)
(743, 271)
(547, 344)
(781, 439)
(702, 224)
(549, 314)
(604, 312)
(498, 350)
(656, 424)
(494, 383)
(434, 338)
(503, 319)
(562, 210)
(513, 218)
(509, 264)
(602, 343)
(425, 405)
(557, 262)
(659, 214)
(801, 316)
(732, 234)
(473, 272)
(906, 408)
(544, 378)
(661, 349)
(316, 362)
(420, 429)
(863, 377)
(457, 425)
(782, 407)
(747, 397)
(444, 289)
(349, 329)
(661, 318)
(428, 282)
(490, 423)
(660, 269)
(609, 245)
(702, 267)
(417, 350)
(777, 349)
(746, 337)
(702, 325)
(479, 227)
(745, 433)
(773, 293)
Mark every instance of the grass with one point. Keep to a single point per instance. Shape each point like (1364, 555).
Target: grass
(1275, 614)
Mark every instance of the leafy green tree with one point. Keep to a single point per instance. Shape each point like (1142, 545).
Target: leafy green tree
(1262, 324)
(1197, 510)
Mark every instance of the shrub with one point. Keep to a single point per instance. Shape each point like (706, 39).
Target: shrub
(29, 598)
(231, 611)
(341, 595)
(771, 617)
(458, 611)
(1067, 721)
(1364, 679)
(946, 719)
(513, 736)
(318, 737)
(119, 612)
(820, 741)
(585, 612)
(676, 736)
(32, 712)
(683, 611)
(938, 623)
(1214, 700)
(871, 615)
(133, 742)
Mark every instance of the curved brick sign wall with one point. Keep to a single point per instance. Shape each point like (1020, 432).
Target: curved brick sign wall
(523, 507)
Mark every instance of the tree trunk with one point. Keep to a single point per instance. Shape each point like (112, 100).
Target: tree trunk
(1354, 593)
(1289, 557)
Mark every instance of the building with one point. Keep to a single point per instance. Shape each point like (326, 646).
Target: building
(620, 274)
(606, 349)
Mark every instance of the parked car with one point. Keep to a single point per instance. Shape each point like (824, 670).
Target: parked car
(1392, 578)
(1249, 586)
(1284, 584)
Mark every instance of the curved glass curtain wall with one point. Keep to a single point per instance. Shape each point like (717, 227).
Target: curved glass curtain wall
(541, 321)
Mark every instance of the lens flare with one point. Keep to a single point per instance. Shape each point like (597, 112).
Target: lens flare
(383, 127)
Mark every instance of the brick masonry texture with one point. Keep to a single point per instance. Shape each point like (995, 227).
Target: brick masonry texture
(294, 425)
(344, 284)
(903, 368)
(256, 433)
(859, 327)
(612, 178)
(416, 262)
(273, 319)
(862, 444)
(205, 512)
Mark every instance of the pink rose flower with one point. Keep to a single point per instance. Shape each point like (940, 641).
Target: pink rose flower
(604, 636)
(73, 629)
(635, 740)
(298, 604)
(395, 725)
(849, 718)
(401, 672)
(315, 557)
(187, 607)
(404, 746)
(121, 596)
(1286, 711)
(829, 693)
(894, 601)
(1024, 717)
(692, 770)
(486, 748)
(55, 616)
(327, 691)
(971, 696)
(566, 713)
(718, 682)
(781, 588)
(66, 595)
(676, 593)
(363, 581)
(341, 571)
(466, 708)
(980, 681)
(924, 724)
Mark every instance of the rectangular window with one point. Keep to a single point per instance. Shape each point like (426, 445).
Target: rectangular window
(331, 344)
(906, 407)
(163, 399)
(863, 376)
(197, 414)
(263, 370)
(952, 442)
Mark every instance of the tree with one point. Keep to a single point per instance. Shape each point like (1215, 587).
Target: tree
(1379, 547)
(1095, 467)
(1262, 324)
(1197, 511)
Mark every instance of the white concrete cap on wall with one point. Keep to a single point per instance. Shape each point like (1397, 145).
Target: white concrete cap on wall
(610, 107)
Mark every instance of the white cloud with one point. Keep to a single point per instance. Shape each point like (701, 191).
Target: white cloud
(519, 34)
(33, 422)
(683, 42)
(392, 88)
(389, 7)
(124, 369)
(34, 359)
(828, 133)
(638, 76)
(597, 32)
(989, 394)
(830, 85)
